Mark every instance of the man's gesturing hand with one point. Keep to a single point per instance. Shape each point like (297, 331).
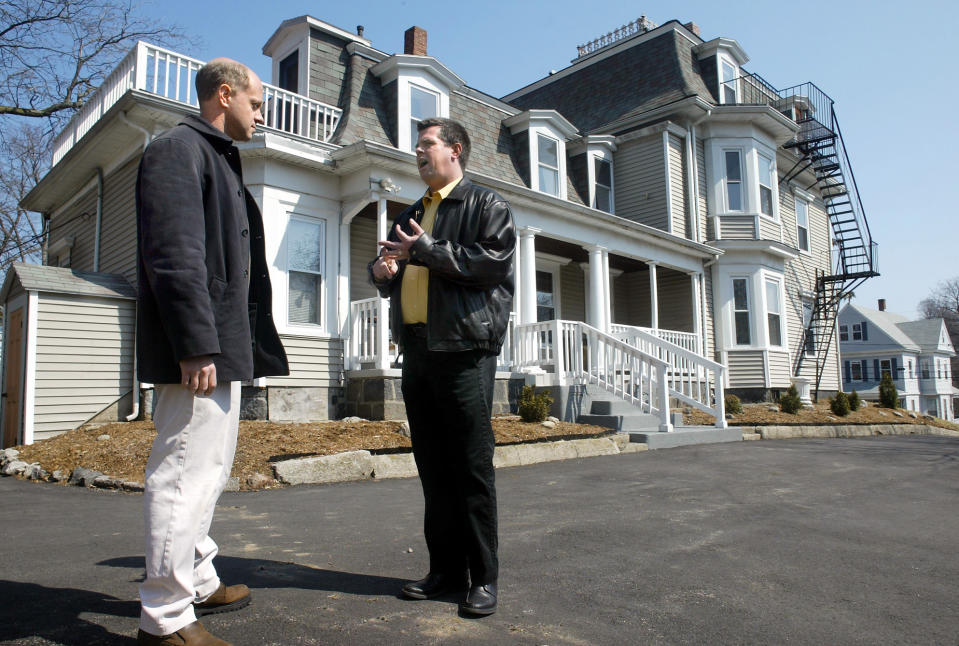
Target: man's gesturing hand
(198, 374)
(400, 250)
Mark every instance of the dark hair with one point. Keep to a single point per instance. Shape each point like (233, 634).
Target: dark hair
(451, 132)
(217, 72)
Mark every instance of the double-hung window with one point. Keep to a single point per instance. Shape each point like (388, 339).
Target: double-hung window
(602, 184)
(855, 369)
(548, 162)
(885, 368)
(741, 311)
(809, 335)
(766, 172)
(729, 82)
(802, 224)
(734, 180)
(423, 105)
(924, 366)
(774, 313)
(843, 332)
(857, 332)
(305, 259)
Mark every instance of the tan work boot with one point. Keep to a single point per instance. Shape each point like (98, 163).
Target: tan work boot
(225, 599)
(191, 635)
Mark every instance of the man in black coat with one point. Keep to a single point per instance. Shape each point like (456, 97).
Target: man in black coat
(205, 325)
(447, 267)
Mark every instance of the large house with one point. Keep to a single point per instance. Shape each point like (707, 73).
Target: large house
(916, 354)
(685, 228)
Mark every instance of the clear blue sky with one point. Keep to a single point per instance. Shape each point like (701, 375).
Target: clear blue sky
(888, 66)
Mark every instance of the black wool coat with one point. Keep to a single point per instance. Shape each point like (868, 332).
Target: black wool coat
(203, 283)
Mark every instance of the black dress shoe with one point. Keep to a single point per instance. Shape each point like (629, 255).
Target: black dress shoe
(481, 600)
(434, 585)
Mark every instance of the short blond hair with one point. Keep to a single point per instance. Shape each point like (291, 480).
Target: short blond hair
(218, 72)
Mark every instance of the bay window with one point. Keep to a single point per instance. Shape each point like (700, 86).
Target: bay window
(767, 171)
(305, 260)
(734, 180)
(774, 312)
(741, 311)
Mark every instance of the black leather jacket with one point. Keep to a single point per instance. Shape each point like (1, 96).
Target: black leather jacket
(470, 258)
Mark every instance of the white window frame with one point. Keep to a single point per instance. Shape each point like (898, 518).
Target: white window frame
(743, 183)
(885, 365)
(592, 159)
(322, 314)
(778, 283)
(301, 45)
(733, 83)
(853, 367)
(414, 133)
(552, 265)
(807, 304)
(843, 331)
(749, 314)
(422, 80)
(856, 329)
(800, 227)
(535, 163)
(770, 160)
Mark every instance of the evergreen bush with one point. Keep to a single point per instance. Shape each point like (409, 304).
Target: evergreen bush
(733, 405)
(839, 404)
(854, 402)
(888, 396)
(533, 407)
(789, 402)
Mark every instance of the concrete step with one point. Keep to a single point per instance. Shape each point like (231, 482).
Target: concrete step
(623, 423)
(687, 435)
(612, 407)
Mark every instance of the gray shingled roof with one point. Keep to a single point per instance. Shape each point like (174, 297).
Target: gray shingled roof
(63, 280)
(888, 322)
(924, 332)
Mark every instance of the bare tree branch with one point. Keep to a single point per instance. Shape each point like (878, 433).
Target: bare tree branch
(943, 303)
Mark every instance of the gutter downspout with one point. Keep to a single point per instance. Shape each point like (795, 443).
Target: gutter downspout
(135, 389)
(692, 175)
(708, 265)
(99, 223)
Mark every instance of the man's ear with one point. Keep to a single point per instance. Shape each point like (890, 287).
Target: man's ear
(224, 94)
(457, 149)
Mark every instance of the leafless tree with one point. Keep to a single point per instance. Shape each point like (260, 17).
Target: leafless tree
(943, 303)
(53, 55)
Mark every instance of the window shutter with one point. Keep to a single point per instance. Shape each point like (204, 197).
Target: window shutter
(895, 369)
(865, 369)
(865, 334)
(847, 371)
(875, 367)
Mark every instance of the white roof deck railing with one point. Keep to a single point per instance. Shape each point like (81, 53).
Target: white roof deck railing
(171, 76)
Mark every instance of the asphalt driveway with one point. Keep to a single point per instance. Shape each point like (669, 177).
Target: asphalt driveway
(773, 542)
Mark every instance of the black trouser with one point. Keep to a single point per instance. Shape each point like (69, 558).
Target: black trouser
(449, 398)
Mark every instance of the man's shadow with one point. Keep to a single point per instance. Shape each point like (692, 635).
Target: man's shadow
(53, 614)
(263, 573)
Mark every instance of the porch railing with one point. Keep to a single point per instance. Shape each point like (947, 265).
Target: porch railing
(693, 379)
(687, 340)
(171, 75)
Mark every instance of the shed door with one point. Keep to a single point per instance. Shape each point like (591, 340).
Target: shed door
(12, 388)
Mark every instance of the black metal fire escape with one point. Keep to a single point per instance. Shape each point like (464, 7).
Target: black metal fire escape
(820, 148)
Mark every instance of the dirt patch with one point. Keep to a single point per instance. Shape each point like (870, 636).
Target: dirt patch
(259, 444)
(769, 414)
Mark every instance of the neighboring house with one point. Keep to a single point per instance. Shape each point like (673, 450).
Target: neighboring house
(684, 227)
(916, 354)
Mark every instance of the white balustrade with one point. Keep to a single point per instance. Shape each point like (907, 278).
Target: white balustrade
(172, 76)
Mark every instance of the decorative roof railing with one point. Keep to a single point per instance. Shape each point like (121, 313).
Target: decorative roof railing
(639, 26)
(171, 76)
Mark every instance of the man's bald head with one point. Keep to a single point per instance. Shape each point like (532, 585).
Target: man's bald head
(221, 71)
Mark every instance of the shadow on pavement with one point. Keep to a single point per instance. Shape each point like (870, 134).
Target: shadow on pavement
(263, 573)
(53, 614)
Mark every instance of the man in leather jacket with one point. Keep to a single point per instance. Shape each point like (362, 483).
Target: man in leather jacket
(447, 267)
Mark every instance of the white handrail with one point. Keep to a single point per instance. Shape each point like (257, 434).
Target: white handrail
(171, 76)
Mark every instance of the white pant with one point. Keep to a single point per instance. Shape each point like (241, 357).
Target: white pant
(187, 470)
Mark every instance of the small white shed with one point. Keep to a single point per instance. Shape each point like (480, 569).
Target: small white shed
(68, 350)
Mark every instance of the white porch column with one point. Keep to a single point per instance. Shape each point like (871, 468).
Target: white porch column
(607, 298)
(527, 312)
(597, 297)
(696, 282)
(383, 306)
(653, 297)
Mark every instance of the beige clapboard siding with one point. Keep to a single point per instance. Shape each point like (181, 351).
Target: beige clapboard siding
(314, 361)
(84, 358)
(675, 300)
(746, 369)
(572, 292)
(737, 227)
(708, 329)
(77, 220)
(640, 180)
(769, 229)
(118, 236)
(779, 369)
(677, 186)
(362, 250)
(705, 222)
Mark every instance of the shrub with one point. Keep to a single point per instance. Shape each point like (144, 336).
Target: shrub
(790, 402)
(533, 407)
(733, 405)
(854, 402)
(888, 396)
(839, 404)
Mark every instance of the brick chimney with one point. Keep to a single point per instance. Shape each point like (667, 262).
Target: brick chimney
(693, 27)
(882, 304)
(414, 41)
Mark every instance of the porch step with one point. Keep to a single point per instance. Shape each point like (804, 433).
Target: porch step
(634, 423)
(687, 436)
(611, 407)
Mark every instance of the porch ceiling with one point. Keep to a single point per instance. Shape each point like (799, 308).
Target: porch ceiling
(576, 253)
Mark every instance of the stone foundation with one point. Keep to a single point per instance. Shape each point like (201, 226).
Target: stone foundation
(299, 404)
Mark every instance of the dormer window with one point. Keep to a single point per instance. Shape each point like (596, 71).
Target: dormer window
(602, 184)
(424, 104)
(548, 162)
(729, 73)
